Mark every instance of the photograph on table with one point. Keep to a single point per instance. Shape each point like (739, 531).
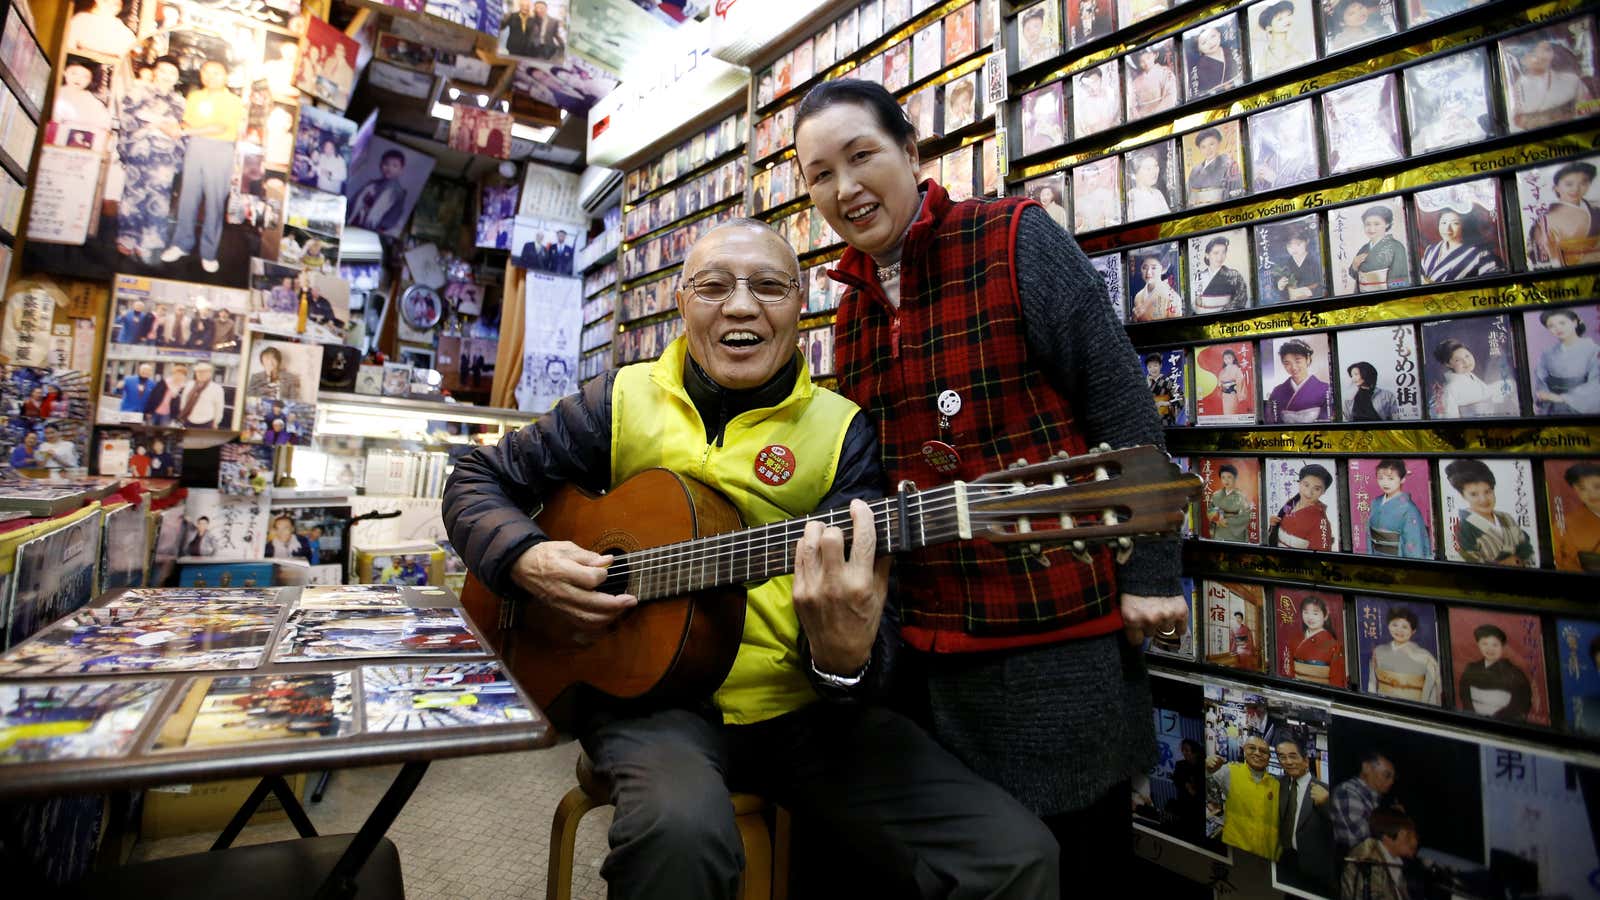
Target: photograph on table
(1096, 198)
(1283, 36)
(1235, 624)
(165, 325)
(1447, 102)
(1548, 75)
(1362, 124)
(1564, 360)
(139, 452)
(55, 574)
(219, 710)
(312, 634)
(1405, 809)
(1460, 230)
(1151, 174)
(1578, 659)
(1219, 264)
(960, 34)
(1170, 799)
(1044, 118)
(1368, 242)
(1097, 98)
(1089, 20)
(1499, 665)
(1487, 510)
(1542, 818)
(961, 110)
(1230, 498)
(1391, 506)
(1225, 384)
(1289, 260)
(51, 721)
(922, 110)
(322, 149)
(454, 695)
(1381, 378)
(1309, 632)
(198, 637)
(1166, 374)
(1302, 504)
(385, 181)
(897, 60)
(1151, 74)
(327, 63)
(1155, 279)
(1180, 643)
(352, 596)
(1213, 161)
(956, 177)
(1572, 492)
(1351, 23)
(1109, 267)
(1039, 33)
(1296, 380)
(313, 229)
(1213, 58)
(1559, 206)
(1471, 368)
(534, 30)
(1284, 147)
(1397, 646)
(1050, 191)
(244, 470)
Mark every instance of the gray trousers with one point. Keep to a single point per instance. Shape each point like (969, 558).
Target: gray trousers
(927, 825)
(207, 173)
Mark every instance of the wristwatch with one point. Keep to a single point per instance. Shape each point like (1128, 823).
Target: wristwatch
(842, 682)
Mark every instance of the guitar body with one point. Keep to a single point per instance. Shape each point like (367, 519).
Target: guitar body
(678, 648)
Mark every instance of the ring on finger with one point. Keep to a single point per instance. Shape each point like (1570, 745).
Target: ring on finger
(1171, 631)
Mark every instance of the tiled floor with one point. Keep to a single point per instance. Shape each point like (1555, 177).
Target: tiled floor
(476, 828)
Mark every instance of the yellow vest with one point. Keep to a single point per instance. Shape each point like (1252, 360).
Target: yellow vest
(774, 464)
(1250, 816)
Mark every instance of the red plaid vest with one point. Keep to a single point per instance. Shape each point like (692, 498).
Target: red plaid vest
(960, 328)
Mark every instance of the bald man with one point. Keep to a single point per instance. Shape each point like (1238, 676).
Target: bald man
(790, 721)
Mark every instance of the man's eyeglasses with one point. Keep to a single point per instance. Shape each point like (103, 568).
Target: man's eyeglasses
(715, 285)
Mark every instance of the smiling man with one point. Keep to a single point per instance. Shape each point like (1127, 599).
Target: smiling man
(717, 403)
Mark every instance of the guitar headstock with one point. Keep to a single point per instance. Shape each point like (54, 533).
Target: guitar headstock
(1095, 497)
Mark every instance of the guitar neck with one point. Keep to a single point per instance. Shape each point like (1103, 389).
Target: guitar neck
(904, 521)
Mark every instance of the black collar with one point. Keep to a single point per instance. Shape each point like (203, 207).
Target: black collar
(717, 404)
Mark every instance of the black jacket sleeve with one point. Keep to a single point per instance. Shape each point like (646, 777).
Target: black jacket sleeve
(1077, 341)
(493, 490)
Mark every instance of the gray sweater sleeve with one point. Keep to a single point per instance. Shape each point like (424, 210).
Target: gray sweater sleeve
(1075, 338)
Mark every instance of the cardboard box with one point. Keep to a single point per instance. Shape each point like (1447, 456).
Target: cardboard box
(180, 809)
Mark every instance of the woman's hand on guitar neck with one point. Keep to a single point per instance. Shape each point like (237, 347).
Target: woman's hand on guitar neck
(839, 602)
(564, 576)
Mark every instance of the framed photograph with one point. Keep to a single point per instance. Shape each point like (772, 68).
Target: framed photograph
(322, 149)
(1039, 33)
(1397, 647)
(1089, 20)
(536, 30)
(1155, 274)
(1236, 625)
(313, 229)
(1499, 664)
(421, 307)
(181, 341)
(1097, 98)
(1308, 629)
(1213, 159)
(1381, 379)
(1109, 266)
(1487, 509)
(1043, 119)
(1282, 36)
(482, 132)
(961, 103)
(327, 63)
(1213, 60)
(1559, 206)
(1572, 492)
(1095, 195)
(1368, 244)
(1289, 261)
(1166, 374)
(924, 52)
(1391, 507)
(1296, 382)
(1550, 74)
(1219, 266)
(1302, 504)
(1461, 232)
(384, 186)
(1151, 176)
(497, 208)
(1447, 102)
(139, 452)
(1152, 79)
(1351, 23)
(960, 34)
(1225, 383)
(1362, 124)
(280, 405)
(1564, 360)
(1472, 368)
(897, 67)
(1283, 147)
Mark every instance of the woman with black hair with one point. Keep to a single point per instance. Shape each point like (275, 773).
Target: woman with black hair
(1364, 401)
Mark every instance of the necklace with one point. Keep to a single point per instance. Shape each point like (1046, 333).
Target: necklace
(889, 272)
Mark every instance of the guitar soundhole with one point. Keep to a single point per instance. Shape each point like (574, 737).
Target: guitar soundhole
(617, 576)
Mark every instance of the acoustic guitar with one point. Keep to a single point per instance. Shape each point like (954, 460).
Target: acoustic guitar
(680, 548)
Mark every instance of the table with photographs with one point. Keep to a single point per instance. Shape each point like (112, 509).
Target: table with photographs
(158, 686)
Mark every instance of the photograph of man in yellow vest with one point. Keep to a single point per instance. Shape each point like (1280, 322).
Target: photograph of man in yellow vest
(1248, 797)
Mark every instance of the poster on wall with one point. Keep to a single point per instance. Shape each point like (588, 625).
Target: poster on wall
(128, 192)
(384, 186)
(172, 354)
(534, 29)
(327, 63)
(485, 132)
(573, 84)
(322, 149)
(280, 405)
(550, 344)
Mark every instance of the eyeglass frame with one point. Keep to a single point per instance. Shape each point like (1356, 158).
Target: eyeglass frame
(792, 284)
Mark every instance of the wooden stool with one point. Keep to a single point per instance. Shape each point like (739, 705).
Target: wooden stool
(766, 857)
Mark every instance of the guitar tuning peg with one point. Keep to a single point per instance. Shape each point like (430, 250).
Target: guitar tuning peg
(1124, 549)
(1018, 464)
(1103, 448)
(1062, 455)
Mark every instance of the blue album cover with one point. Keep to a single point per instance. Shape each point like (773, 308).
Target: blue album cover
(1578, 657)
